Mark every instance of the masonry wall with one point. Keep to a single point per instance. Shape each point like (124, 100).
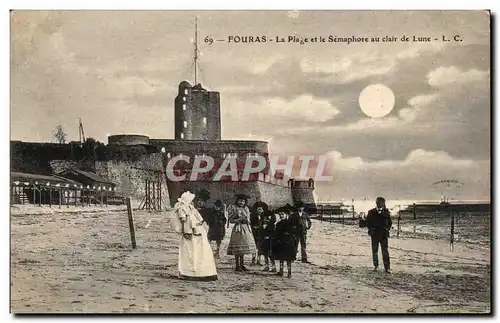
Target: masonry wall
(305, 195)
(274, 195)
(212, 148)
(130, 177)
(128, 140)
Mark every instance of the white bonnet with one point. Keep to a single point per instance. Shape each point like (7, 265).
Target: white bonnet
(186, 197)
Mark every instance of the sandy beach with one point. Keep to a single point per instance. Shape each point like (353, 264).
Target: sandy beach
(81, 261)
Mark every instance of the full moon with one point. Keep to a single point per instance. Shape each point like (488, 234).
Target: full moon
(376, 100)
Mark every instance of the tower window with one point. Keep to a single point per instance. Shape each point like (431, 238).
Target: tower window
(168, 155)
(185, 91)
(185, 124)
(205, 121)
(184, 98)
(184, 107)
(182, 135)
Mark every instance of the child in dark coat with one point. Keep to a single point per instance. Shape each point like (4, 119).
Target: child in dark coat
(216, 221)
(284, 245)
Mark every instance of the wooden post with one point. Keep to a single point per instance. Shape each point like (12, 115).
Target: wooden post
(342, 214)
(40, 196)
(34, 195)
(50, 197)
(75, 195)
(131, 223)
(353, 217)
(146, 198)
(24, 195)
(452, 235)
(159, 193)
(60, 197)
(153, 195)
(414, 211)
(399, 227)
(67, 198)
(106, 198)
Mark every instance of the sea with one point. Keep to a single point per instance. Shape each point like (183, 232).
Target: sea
(396, 205)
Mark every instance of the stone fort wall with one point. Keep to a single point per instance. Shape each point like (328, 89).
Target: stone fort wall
(131, 159)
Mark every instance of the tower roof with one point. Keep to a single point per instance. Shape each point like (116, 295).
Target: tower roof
(198, 87)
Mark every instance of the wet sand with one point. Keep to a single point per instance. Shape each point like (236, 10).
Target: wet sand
(65, 262)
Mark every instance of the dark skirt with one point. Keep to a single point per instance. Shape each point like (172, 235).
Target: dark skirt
(265, 246)
(256, 234)
(284, 248)
(216, 232)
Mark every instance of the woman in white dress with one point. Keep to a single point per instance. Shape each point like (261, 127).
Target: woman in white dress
(196, 260)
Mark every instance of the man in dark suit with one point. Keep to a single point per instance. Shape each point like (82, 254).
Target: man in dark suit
(302, 223)
(378, 222)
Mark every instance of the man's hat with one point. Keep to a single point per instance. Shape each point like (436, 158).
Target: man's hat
(218, 203)
(262, 205)
(242, 197)
(287, 208)
(203, 195)
(299, 204)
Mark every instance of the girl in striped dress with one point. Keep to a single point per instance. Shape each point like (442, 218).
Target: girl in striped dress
(241, 242)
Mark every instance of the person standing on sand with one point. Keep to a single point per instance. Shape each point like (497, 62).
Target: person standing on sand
(255, 214)
(196, 260)
(302, 223)
(284, 244)
(378, 221)
(202, 196)
(267, 223)
(241, 242)
(216, 220)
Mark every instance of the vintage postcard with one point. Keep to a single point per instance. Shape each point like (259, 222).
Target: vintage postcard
(250, 162)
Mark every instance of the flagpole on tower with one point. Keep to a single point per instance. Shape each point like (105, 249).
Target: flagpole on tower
(195, 51)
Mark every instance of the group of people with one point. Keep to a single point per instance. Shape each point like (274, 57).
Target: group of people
(260, 232)
(257, 232)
